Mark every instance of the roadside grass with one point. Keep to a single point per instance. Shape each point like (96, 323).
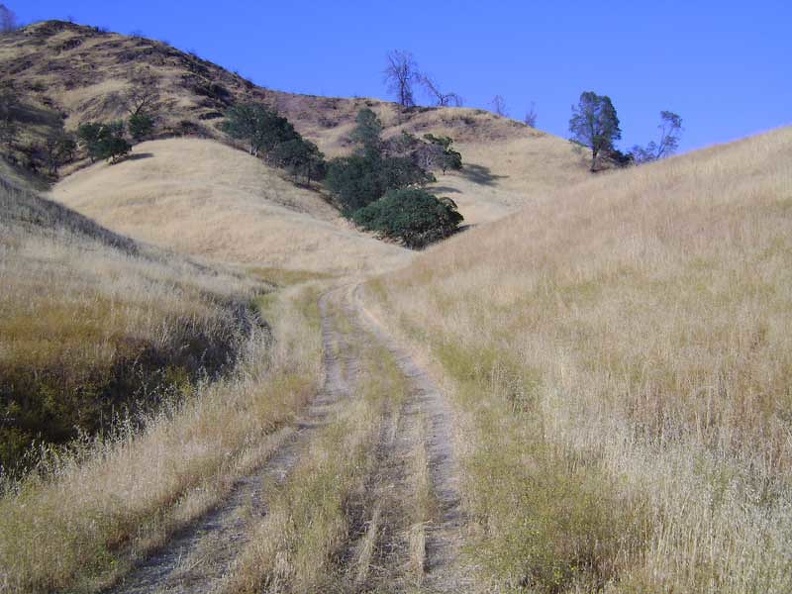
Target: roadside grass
(620, 357)
(72, 303)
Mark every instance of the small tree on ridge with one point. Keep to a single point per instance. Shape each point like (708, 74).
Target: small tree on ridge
(594, 124)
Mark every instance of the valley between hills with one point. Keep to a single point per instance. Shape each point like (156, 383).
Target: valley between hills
(213, 381)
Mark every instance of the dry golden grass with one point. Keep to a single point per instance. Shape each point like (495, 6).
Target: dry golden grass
(92, 325)
(93, 516)
(622, 352)
(77, 299)
(206, 199)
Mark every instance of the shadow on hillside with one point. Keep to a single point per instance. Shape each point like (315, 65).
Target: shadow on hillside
(138, 156)
(31, 115)
(444, 190)
(479, 174)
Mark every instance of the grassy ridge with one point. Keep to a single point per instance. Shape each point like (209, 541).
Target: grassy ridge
(93, 329)
(622, 358)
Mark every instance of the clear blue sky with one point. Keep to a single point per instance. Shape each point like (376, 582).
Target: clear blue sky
(724, 66)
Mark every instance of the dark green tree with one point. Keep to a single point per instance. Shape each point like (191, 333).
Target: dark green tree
(59, 149)
(104, 141)
(140, 126)
(301, 158)
(355, 181)
(368, 132)
(410, 215)
(441, 155)
(261, 127)
(594, 124)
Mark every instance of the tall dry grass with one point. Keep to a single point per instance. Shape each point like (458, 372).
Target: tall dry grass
(84, 524)
(622, 360)
(94, 327)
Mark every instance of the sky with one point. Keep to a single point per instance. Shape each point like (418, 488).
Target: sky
(724, 66)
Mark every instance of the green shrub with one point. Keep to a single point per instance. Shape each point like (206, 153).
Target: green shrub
(412, 216)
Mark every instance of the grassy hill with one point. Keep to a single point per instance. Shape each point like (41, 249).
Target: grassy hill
(617, 349)
(206, 199)
(621, 356)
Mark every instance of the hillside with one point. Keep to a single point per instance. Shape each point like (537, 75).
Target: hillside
(206, 199)
(588, 390)
(620, 358)
(67, 74)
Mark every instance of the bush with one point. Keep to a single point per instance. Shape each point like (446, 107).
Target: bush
(299, 157)
(412, 216)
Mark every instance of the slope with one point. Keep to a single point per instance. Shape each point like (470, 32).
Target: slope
(209, 200)
(621, 363)
(93, 324)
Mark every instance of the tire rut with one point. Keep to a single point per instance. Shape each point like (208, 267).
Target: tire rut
(422, 427)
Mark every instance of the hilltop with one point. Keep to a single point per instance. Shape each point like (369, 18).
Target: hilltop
(67, 74)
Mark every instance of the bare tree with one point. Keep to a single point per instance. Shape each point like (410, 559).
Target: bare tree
(143, 96)
(8, 20)
(401, 73)
(499, 106)
(441, 99)
(530, 116)
(670, 131)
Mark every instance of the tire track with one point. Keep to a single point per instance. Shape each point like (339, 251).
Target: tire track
(423, 431)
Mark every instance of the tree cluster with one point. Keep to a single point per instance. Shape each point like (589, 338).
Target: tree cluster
(595, 125)
(104, 141)
(274, 138)
(379, 187)
(411, 215)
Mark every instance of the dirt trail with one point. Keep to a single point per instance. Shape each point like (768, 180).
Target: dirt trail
(427, 407)
(387, 547)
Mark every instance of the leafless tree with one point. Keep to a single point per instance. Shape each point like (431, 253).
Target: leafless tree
(499, 106)
(530, 116)
(8, 20)
(401, 73)
(143, 96)
(441, 99)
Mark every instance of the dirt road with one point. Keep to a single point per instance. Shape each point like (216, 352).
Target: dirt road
(403, 532)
